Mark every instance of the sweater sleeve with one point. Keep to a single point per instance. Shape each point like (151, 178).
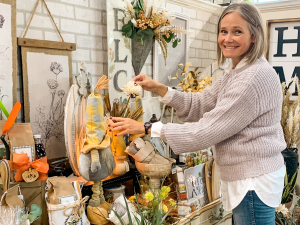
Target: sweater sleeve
(190, 107)
(237, 109)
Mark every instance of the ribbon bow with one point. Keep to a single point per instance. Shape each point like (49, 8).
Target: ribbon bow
(77, 209)
(21, 163)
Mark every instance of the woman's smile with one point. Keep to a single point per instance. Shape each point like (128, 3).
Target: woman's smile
(234, 37)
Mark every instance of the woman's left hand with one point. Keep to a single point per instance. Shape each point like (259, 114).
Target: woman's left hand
(126, 126)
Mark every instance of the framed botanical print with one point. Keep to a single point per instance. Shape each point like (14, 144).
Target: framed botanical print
(47, 77)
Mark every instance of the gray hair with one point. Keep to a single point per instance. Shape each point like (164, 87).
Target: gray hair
(252, 15)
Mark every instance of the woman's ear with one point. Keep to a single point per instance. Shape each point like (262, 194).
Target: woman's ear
(253, 39)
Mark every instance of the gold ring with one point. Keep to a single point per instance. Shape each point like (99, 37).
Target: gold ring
(121, 127)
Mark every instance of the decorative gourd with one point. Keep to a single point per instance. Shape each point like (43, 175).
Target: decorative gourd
(30, 175)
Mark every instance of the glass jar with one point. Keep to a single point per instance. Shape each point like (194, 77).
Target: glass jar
(40, 151)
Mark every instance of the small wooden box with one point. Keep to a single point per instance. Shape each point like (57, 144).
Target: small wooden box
(33, 193)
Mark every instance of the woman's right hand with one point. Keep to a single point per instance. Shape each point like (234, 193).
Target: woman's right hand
(150, 85)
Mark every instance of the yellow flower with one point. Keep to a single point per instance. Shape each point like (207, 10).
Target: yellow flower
(132, 199)
(163, 208)
(149, 196)
(172, 202)
(163, 194)
(165, 189)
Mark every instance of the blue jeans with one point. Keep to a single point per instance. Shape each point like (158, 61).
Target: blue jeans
(252, 211)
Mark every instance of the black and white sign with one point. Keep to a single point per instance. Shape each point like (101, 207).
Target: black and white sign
(284, 49)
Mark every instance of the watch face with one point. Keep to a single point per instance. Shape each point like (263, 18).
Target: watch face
(147, 125)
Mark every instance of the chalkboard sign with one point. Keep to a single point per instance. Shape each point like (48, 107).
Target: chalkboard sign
(163, 73)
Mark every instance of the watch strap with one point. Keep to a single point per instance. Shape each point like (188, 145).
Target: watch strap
(147, 126)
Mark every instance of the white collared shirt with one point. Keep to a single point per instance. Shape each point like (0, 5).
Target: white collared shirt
(268, 187)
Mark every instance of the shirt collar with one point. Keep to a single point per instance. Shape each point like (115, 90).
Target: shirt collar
(242, 63)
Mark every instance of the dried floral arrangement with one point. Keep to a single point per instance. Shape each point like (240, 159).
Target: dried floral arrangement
(290, 118)
(190, 82)
(122, 108)
(146, 21)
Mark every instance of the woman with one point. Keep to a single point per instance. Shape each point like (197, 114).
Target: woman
(240, 114)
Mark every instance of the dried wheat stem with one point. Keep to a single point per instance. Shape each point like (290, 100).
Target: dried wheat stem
(162, 48)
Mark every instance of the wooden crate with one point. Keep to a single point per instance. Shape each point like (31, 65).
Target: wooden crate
(33, 193)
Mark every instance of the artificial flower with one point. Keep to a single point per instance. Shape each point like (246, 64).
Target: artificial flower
(172, 202)
(281, 208)
(163, 207)
(163, 194)
(166, 189)
(149, 196)
(131, 89)
(133, 21)
(132, 199)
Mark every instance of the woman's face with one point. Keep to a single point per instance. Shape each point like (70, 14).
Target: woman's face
(234, 37)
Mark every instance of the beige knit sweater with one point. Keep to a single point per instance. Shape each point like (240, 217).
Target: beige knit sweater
(240, 114)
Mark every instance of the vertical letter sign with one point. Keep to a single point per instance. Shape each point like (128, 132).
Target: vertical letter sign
(119, 49)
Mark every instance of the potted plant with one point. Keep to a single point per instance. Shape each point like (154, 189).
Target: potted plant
(147, 22)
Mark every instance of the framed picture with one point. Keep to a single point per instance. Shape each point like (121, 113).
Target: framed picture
(25, 150)
(8, 55)
(47, 77)
(283, 37)
(163, 72)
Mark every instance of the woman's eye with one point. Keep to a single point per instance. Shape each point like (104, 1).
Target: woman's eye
(223, 31)
(238, 32)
